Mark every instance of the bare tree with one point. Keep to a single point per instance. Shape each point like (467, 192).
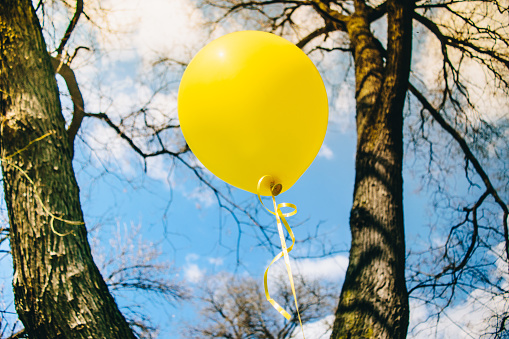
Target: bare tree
(236, 308)
(137, 273)
(448, 134)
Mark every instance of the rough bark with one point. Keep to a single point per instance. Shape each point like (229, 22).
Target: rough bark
(374, 298)
(59, 292)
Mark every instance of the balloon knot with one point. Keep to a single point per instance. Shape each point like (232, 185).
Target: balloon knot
(276, 189)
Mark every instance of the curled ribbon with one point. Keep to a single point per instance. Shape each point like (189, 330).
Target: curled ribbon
(281, 219)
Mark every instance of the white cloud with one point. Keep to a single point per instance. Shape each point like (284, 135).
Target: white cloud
(192, 257)
(159, 168)
(145, 29)
(203, 196)
(468, 319)
(320, 329)
(326, 152)
(343, 108)
(110, 150)
(193, 273)
(170, 27)
(332, 269)
(216, 261)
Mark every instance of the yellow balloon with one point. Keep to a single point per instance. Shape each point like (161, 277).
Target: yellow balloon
(252, 104)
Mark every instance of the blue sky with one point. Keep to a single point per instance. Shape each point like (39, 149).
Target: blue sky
(174, 213)
(189, 237)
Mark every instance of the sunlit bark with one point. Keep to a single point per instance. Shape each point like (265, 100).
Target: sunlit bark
(58, 289)
(374, 298)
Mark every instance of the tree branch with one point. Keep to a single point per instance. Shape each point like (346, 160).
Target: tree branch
(18, 335)
(490, 189)
(461, 45)
(251, 5)
(67, 74)
(453, 267)
(70, 28)
(330, 15)
(377, 12)
(316, 33)
(223, 201)
(131, 143)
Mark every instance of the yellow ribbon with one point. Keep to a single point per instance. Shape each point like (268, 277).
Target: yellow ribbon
(281, 219)
(25, 174)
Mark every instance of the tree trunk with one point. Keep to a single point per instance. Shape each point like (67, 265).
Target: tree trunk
(374, 298)
(59, 292)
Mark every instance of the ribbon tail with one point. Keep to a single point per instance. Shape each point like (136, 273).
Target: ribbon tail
(265, 285)
(282, 220)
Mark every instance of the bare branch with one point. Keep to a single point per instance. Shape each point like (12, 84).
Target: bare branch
(233, 7)
(329, 14)
(490, 189)
(18, 335)
(129, 140)
(236, 308)
(225, 202)
(70, 28)
(341, 49)
(67, 74)
(378, 12)
(316, 33)
(453, 267)
(462, 45)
